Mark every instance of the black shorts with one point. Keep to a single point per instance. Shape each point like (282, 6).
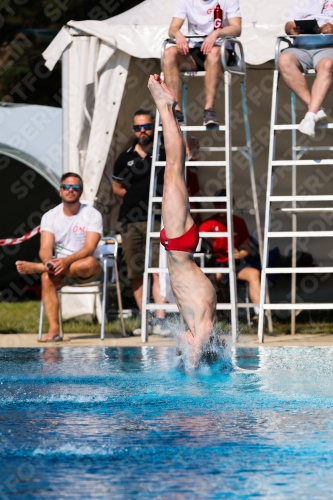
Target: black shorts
(200, 58)
(134, 247)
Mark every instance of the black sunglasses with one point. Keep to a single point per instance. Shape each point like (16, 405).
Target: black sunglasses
(146, 126)
(75, 187)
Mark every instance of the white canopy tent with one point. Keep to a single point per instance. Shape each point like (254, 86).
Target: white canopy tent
(32, 135)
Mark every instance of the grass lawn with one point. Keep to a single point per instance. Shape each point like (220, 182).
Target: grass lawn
(23, 317)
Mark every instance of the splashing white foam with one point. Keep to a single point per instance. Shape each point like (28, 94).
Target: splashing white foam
(216, 352)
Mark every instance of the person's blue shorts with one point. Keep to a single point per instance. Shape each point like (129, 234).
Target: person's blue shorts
(239, 264)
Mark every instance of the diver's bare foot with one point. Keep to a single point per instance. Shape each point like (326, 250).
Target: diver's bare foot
(24, 267)
(160, 92)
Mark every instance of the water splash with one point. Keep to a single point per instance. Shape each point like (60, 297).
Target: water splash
(216, 353)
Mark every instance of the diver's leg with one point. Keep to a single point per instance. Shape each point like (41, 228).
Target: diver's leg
(175, 206)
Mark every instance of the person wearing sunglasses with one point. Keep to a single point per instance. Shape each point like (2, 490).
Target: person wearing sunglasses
(130, 183)
(70, 231)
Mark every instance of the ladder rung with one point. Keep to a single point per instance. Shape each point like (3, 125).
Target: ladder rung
(211, 199)
(323, 197)
(234, 148)
(206, 270)
(302, 305)
(295, 127)
(217, 234)
(298, 270)
(166, 307)
(198, 128)
(196, 163)
(300, 234)
(204, 234)
(193, 73)
(223, 307)
(173, 308)
(284, 163)
(312, 148)
(210, 210)
(314, 209)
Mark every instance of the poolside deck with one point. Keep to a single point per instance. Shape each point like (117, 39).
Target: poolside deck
(25, 340)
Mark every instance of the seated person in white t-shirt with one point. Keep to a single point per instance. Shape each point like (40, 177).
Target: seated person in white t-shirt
(71, 231)
(200, 54)
(301, 57)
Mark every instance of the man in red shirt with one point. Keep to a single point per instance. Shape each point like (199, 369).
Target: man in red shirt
(218, 223)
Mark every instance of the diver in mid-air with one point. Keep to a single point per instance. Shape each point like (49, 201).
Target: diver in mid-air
(194, 293)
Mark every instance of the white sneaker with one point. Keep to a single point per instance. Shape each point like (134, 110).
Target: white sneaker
(159, 330)
(307, 125)
(137, 331)
(321, 115)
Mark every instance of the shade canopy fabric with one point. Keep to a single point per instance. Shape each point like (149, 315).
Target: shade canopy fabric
(96, 59)
(140, 31)
(32, 134)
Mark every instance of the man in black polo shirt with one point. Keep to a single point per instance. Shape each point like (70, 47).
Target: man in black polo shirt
(131, 181)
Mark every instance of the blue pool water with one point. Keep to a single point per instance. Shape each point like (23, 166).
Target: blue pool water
(123, 423)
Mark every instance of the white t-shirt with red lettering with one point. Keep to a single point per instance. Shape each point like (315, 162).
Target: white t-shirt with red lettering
(70, 232)
(200, 16)
(322, 10)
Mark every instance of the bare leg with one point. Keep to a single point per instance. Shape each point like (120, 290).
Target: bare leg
(173, 61)
(175, 205)
(137, 286)
(137, 289)
(252, 276)
(291, 71)
(213, 69)
(322, 84)
(84, 268)
(158, 299)
(50, 284)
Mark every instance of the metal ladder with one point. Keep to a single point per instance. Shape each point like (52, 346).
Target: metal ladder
(228, 199)
(294, 210)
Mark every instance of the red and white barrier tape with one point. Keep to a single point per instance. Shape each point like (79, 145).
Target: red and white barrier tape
(16, 241)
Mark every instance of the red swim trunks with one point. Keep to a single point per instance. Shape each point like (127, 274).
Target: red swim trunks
(186, 243)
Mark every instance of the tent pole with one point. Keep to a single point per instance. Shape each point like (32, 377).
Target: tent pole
(65, 109)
